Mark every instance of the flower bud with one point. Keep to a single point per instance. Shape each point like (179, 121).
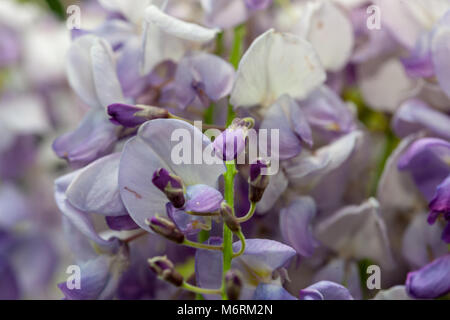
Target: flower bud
(171, 185)
(257, 181)
(233, 284)
(231, 142)
(228, 217)
(165, 228)
(133, 115)
(165, 270)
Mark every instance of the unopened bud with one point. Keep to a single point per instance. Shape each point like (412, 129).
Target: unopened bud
(231, 142)
(228, 217)
(233, 284)
(165, 270)
(257, 181)
(165, 228)
(133, 115)
(171, 185)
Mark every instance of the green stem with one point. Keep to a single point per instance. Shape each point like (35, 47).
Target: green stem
(199, 290)
(227, 233)
(249, 214)
(201, 245)
(242, 238)
(57, 8)
(235, 57)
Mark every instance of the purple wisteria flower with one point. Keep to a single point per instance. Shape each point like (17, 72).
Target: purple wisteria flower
(432, 281)
(258, 264)
(152, 150)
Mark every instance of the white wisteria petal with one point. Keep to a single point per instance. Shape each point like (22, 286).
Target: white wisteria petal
(91, 72)
(331, 34)
(347, 232)
(169, 38)
(153, 147)
(385, 84)
(276, 64)
(105, 75)
(307, 170)
(179, 28)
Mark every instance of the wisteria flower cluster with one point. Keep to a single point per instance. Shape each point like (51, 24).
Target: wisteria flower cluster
(228, 149)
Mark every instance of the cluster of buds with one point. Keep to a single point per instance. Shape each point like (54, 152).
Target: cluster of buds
(131, 116)
(171, 185)
(165, 270)
(258, 181)
(166, 228)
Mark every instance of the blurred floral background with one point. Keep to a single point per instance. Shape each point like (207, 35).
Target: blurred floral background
(360, 91)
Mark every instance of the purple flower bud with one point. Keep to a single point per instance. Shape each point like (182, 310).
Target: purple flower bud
(171, 185)
(257, 4)
(233, 284)
(133, 115)
(228, 217)
(257, 181)
(165, 270)
(232, 141)
(166, 228)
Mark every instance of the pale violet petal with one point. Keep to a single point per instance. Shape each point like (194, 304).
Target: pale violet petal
(347, 232)
(152, 149)
(96, 188)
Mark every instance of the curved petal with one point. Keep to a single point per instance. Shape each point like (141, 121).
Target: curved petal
(203, 199)
(414, 115)
(263, 256)
(276, 64)
(326, 112)
(307, 169)
(325, 290)
(342, 272)
(287, 117)
(91, 72)
(421, 240)
(348, 229)
(80, 220)
(331, 34)
(426, 160)
(94, 138)
(94, 278)
(432, 281)
(396, 191)
(203, 74)
(276, 187)
(296, 227)
(154, 147)
(96, 188)
(180, 29)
